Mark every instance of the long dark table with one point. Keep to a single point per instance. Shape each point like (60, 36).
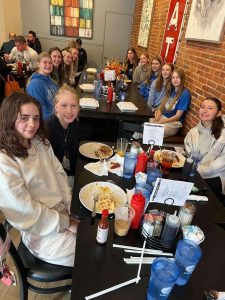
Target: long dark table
(100, 267)
(111, 111)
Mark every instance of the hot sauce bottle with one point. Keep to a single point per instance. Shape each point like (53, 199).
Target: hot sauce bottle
(103, 228)
(110, 94)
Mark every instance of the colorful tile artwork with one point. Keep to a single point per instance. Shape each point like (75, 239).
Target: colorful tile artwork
(71, 18)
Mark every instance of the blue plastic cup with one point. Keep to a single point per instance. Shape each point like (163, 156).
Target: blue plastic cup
(164, 273)
(130, 160)
(187, 256)
(145, 189)
(152, 175)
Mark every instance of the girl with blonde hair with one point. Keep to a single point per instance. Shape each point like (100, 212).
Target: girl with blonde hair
(63, 128)
(142, 70)
(154, 71)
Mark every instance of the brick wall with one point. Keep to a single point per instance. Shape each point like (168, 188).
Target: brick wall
(204, 63)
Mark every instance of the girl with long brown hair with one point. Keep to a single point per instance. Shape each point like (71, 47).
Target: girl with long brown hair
(174, 105)
(131, 63)
(57, 73)
(160, 86)
(34, 194)
(205, 143)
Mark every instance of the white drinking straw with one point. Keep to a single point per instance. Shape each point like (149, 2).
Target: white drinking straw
(139, 268)
(149, 252)
(134, 248)
(113, 288)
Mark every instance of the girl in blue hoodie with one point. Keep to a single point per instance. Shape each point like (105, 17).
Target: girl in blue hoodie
(42, 87)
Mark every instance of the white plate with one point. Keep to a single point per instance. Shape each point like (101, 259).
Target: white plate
(127, 106)
(176, 164)
(89, 103)
(104, 190)
(93, 150)
(92, 70)
(87, 87)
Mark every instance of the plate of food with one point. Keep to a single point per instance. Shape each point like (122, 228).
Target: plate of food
(109, 195)
(179, 159)
(96, 150)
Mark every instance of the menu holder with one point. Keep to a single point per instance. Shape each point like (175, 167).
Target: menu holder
(171, 192)
(153, 133)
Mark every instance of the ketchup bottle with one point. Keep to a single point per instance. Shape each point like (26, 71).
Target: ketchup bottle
(141, 165)
(110, 94)
(103, 228)
(19, 67)
(138, 204)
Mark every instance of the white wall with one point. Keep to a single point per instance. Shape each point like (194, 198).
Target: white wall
(35, 16)
(10, 18)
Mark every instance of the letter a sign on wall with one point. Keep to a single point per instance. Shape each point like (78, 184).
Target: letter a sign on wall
(172, 34)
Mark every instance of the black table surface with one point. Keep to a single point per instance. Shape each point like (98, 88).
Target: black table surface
(112, 111)
(100, 267)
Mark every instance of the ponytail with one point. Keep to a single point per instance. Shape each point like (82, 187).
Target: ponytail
(217, 127)
(218, 123)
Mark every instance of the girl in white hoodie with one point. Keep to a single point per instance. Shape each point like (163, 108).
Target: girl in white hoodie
(206, 142)
(34, 194)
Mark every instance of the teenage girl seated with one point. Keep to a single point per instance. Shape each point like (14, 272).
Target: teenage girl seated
(63, 128)
(174, 105)
(160, 85)
(131, 63)
(156, 65)
(142, 70)
(205, 143)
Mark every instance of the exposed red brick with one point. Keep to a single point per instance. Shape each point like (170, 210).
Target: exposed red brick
(204, 63)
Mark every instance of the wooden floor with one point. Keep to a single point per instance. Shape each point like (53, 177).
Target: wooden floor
(12, 293)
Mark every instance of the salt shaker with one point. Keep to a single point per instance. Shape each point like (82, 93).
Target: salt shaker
(187, 169)
(186, 213)
(170, 230)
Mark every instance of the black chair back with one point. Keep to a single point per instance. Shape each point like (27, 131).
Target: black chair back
(28, 266)
(127, 129)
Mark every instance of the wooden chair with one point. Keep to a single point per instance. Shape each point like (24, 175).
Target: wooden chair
(126, 130)
(30, 267)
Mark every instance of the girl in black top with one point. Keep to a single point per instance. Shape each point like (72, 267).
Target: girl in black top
(63, 128)
(131, 63)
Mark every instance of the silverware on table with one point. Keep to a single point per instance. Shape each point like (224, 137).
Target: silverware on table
(93, 213)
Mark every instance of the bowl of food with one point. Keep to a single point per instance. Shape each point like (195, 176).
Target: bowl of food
(193, 233)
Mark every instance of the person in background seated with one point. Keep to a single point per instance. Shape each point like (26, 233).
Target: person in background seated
(69, 74)
(4, 71)
(75, 64)
(82, 59)
(142, 70)
(8, 46)
(58, 72)
(206, 143)
(34, 194)
(33, 42)
(63, 128)
(21, 52)
(132, 61)
(160, 85)
(41, 86)
(156, 65)
(174, 105)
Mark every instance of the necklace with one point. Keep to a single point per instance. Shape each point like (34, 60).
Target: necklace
(66, 132)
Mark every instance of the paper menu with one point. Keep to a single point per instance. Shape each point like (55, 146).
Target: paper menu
(153, 134)
(171, 192)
